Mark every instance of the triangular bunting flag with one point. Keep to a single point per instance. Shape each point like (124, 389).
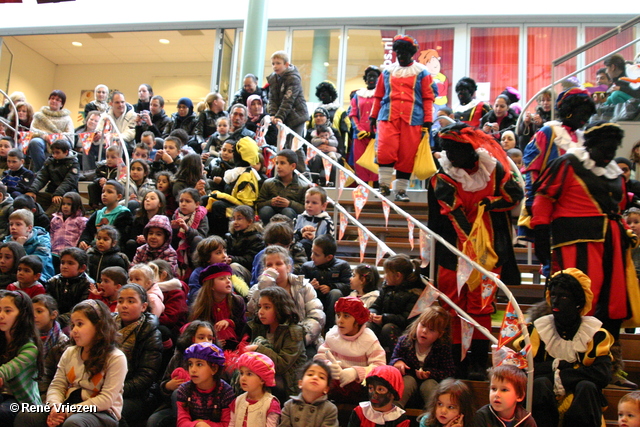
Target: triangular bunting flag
(466, 336)
(385, 210)
(425, 248)
(411, 226)
(344, 221)
(122, 171)
(510, 328)
(363, 238)
(282, 137)
(463, 273)
(489, 288)
(107, 126)
(327, 169)
(86, 139)
(342, 179)
(107, 139)
(380, 253)
(53, 137)
(507, 356)
(427, 297)
(360, 196)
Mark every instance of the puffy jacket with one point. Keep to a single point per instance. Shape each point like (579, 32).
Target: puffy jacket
(175, 304)
(98, 261)
(66, 232)
(308, 306)
(68, 292)
(39, 244)
(206, 124)
(395, 304)
(244, 245)
(104, 171)
(159, 122)
(187, 123)
(336, 274)
(286, 349)
(286, 98)
(59, 175)
(145, 254)
(145, 362)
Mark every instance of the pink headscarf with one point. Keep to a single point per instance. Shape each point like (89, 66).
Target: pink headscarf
(250, 99)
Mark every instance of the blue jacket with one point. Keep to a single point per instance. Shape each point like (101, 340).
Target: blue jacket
(39, 244)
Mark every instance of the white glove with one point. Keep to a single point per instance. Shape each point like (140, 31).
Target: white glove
(347, 376)
(336, 369)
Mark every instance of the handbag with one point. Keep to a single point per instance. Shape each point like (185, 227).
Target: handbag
(368, 159)
(424, 167)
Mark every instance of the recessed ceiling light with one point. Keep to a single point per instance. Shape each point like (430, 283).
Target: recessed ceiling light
(164, 41)
(78, 44)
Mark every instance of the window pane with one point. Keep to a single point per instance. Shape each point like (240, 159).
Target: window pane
(275, 41)
(315, 54)
(436, 52)
(605, 47)
(494, 58)
(544, 44)
(364, 48)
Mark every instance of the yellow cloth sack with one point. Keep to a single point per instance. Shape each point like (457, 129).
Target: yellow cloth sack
(479, 248)
(368, 159)
(424, 167)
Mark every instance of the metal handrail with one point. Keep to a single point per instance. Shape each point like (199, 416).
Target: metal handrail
(455, 250)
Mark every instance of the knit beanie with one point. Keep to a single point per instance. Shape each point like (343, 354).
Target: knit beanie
(260, 365)
(205, 351)
(354, 307)
(390, 377)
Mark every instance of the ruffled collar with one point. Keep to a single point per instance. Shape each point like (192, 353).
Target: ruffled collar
(563, 138)
(396, 70)
(365, 93)
(380, 418)
(478, 179)
(611, 171)
(562, 349)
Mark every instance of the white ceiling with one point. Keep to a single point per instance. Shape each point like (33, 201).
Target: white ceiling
(125, 47)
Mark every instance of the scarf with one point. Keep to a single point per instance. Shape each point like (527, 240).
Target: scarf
(51, 338)
(193, 221)
(128, 337)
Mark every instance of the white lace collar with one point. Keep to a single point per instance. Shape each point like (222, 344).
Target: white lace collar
(477, 180)
(365, 93)
(377, 417)
(611, 171)
(396, 70)
(559, 348)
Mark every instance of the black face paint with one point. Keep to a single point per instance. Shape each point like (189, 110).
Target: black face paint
(371, 79)
(379, 400)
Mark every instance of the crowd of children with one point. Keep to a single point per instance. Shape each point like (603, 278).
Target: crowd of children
(228, 282)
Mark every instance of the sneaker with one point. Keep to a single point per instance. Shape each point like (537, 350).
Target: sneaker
(385, 190)
(619, 381)
(402, 197)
